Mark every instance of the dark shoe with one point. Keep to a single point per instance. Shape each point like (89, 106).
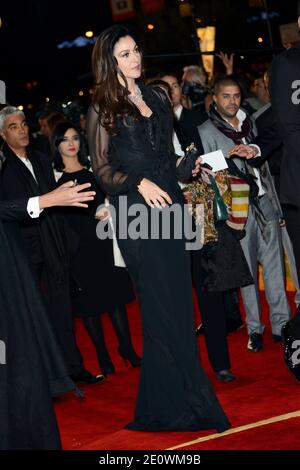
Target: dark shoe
(255, 343)
(105, 363)
(130, 356)
(277, 338)
(234, 325)
(225, 376)
(107, 369)
(199, 330)
(85, 377)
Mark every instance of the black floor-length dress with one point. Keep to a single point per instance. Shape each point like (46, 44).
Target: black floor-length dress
(174, 392)
(31, 366)
(99, 285)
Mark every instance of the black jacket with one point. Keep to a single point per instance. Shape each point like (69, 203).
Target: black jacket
(270, 142)
(186, 128)
(45, 237)
(285, 86)
(14, 210)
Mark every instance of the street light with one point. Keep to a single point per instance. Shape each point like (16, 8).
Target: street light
(89, 34)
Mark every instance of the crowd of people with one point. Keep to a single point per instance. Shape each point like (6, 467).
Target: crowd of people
(136, 143)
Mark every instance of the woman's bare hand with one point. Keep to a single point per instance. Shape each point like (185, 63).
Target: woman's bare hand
(102, 214)
(68, 194)
(153, 194)
(205, 174)
(197, 167)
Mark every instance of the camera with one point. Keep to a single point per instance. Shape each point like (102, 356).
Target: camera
(195, 92)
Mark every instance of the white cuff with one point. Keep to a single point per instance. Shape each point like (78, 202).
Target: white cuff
(258, 150)
(33, 207)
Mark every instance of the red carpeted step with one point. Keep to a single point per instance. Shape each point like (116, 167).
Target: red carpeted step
(264, 388)
(276, 436)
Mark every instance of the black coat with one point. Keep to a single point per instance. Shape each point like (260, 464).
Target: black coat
(285, 96)
(46, 242)
(270, 142)
(45, 237)
(186, 127)
(27, 419)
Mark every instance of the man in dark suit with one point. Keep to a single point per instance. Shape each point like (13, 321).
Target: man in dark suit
(31, 367)
(28, 174)
(272, 150)
(211, 305)
(185, 120)
(285, 96)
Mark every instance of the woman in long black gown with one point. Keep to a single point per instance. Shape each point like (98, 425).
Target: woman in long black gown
(129, 133)
(102, 287)
(31, 364)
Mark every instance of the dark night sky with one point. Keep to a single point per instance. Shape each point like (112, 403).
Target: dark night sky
(32, 29)
(29, 36)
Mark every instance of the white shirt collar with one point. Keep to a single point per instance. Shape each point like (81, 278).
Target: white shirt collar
(178, 111)
(241, 116)
(28, 165)
(24, 159)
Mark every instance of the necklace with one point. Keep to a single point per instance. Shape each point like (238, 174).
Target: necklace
(137, 97)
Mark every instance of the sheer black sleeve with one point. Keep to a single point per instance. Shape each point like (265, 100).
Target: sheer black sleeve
(105, 168)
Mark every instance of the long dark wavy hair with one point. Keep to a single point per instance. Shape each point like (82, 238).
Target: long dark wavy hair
(110, 97)
(57, 138)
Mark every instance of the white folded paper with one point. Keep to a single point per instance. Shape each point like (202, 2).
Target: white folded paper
(215, 159)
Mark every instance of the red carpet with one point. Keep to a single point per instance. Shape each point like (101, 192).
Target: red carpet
(264, 389)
